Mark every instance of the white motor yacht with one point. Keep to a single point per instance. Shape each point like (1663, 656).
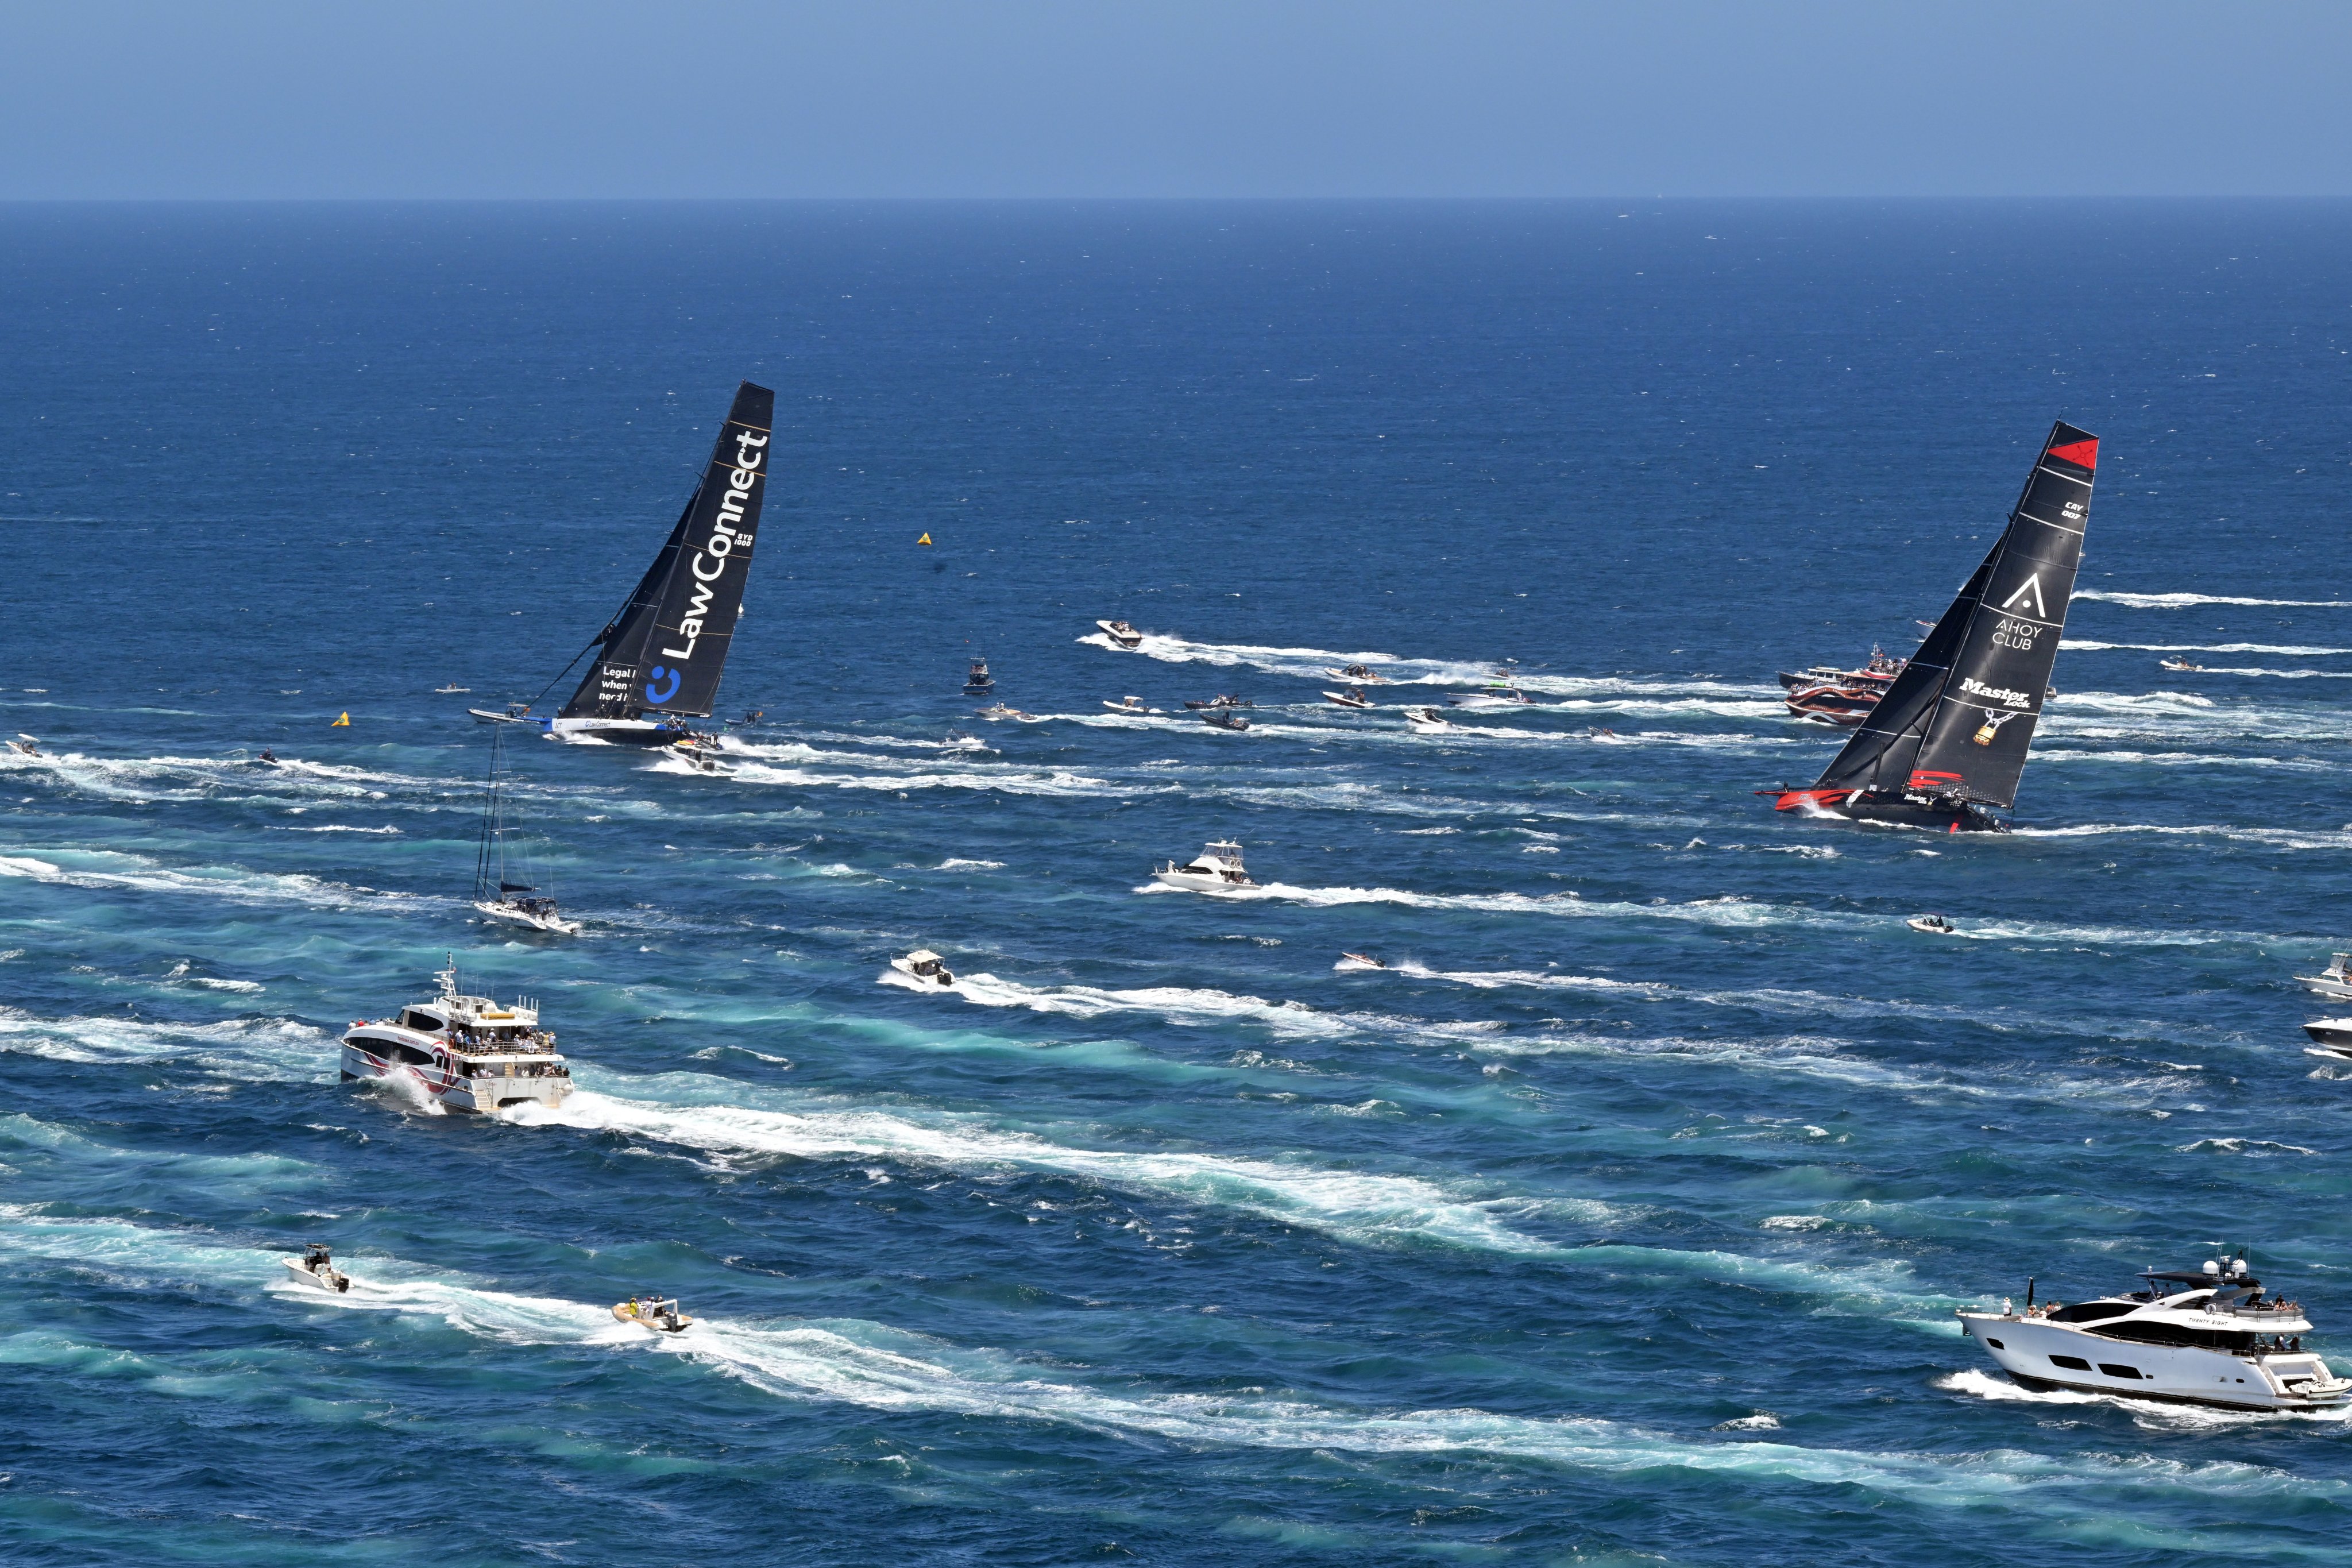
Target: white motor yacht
(1362, 674)
(317, 1267)
(2207, 1337)
(1122, 633)
(926, 966)
(468, 1052)
(2333, 1037)
(1214, 869)
(2332, 981)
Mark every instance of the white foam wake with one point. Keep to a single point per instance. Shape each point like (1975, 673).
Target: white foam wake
(2185, 601)
(2203, 648)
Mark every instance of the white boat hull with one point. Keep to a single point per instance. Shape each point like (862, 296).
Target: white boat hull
(614, 732)
(1198, 881)
(509, 915)
(311, 1278)
(2042, 1354)
(372, 1052)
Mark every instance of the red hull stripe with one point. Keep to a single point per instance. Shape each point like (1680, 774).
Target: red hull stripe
(2082, 454)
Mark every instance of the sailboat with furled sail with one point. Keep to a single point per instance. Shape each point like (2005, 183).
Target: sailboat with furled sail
(659, 660)
(506, 888)
(1947, 744)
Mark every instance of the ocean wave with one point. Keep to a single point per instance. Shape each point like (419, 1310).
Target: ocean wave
(112, 870)
(259, 1049)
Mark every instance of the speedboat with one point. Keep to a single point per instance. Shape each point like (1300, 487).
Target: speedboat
(2202, 1337)
(925, 965)
(701, 753)
(1360, 961)
(1122, 633)
(1127, 705)
(317, 1267)
(467, 1052)
(1490, 699)
(2334, 980)
(2335, 1034)
(1224, 719)
(979, 680)
(1351, 698)
(996, 710)
(2177, 662)
(26, 745)
(1427, 721)
(449, 690)
(1220, 701)
(1935, 925)
(658, 1313)
(1213, 870)
(1363, 675)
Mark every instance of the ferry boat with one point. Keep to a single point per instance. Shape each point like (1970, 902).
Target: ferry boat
(1214, 869)
(469, 1053)
(2202, 1337)
(1122, 633)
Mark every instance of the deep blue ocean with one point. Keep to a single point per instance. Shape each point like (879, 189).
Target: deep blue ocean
(1620, 1221)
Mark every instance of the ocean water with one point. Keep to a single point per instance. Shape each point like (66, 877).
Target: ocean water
(1620, 1220)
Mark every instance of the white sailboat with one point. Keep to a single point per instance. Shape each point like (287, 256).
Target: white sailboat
(506, 888)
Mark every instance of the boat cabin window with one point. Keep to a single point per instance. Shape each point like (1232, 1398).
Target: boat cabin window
(2073, 1362)
(418, 1018)
(2117, 1368)
(412, 1055)
(2090, 1311)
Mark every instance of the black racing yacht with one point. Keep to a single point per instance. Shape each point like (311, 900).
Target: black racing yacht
(659, 660)
(1946, 746)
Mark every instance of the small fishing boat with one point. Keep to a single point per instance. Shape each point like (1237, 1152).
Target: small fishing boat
(2204, 1336)
(925, 965)
(658, 1313)
(660, 658)
(1362, 674)
(979, 682)
(467, 1052)
(1216, 869)
(1224, 719)
(506, 888)
(1945, 746)
(1122, 633)
(2333, 981)
(2177, 663)
(316, 1267)
(1351, 698)
(1935, 925)
(1127, 705)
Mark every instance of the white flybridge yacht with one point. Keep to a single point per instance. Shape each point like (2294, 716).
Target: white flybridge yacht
(2332, 981)
(1213, 870)
(2207, 1337)
(1122, 633)
(469, 1053)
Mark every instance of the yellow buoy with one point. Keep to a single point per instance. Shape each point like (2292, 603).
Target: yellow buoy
(343, 722)
(925, 540)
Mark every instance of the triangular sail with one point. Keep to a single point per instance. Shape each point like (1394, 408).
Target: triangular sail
(664, 651)
(1958, 720)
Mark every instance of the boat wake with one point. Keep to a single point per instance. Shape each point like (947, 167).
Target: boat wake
(114, 871)
(2186, 601)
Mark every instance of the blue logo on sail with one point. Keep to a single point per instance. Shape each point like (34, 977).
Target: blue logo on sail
(653, 694)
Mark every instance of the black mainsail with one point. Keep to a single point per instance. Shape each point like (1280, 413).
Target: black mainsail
(662, 654)
(1949, 738)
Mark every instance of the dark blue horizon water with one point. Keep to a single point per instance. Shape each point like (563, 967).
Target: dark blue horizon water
(1622, 1222)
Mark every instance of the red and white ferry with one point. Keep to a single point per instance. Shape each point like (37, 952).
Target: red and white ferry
(468, 1052)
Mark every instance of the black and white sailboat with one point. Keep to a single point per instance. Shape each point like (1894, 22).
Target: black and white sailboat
(658, 661)
(505, 886)
(1946, 743)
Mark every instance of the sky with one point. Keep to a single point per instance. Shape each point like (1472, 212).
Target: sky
(994, 98)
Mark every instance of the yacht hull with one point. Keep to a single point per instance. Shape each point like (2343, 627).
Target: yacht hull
(1894, 812)
(380, 1051)
(617, 732)
(2044, 1355)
